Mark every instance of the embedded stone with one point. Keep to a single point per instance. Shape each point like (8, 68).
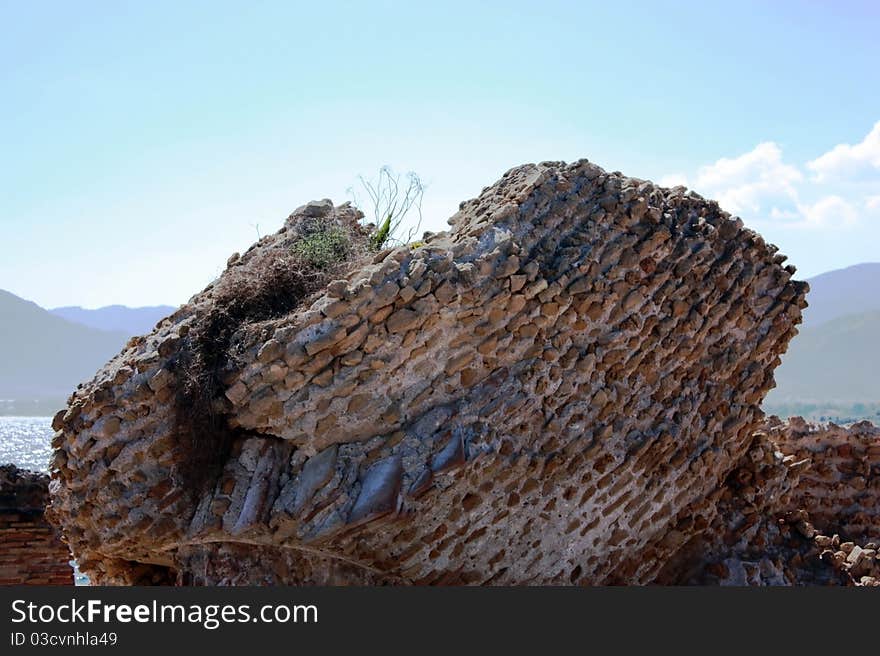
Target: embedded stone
(402, 320)
(316, 473)
(379, 490)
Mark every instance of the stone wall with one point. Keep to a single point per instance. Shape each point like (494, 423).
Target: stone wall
(841, 488)
(837, 499)
(801, 509)
(556, 391)
(31, 552)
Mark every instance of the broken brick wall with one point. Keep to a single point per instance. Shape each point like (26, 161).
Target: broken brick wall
(31, 552)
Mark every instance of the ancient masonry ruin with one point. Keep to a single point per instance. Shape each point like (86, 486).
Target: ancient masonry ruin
(562, 389)
(31, 551)
(801, 508)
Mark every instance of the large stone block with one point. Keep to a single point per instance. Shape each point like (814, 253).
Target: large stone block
(553, 391)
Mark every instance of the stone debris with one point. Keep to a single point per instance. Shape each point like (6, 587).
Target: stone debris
(841, 488)
(783, 512)
(558, 390)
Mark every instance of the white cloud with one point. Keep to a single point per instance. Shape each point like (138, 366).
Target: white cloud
(784, 215)
(846, 160)
(751, 182)
(673, 180)
(763, 188)
(829, 211)
(762, 162)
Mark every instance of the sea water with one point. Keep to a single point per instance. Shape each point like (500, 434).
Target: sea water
(27, 443)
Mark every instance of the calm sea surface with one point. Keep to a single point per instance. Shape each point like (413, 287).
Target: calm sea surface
(26, 442)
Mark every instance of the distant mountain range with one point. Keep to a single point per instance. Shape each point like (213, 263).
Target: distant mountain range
(835, 294)
(44, 355)
(836, 357)
(132, 321)
(833, 363)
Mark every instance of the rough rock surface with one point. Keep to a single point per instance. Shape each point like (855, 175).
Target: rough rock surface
(31, 551)
(557, 390)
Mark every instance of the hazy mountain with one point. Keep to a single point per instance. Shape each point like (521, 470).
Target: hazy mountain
(853, 290)
(131, 321)
(831, 368)
(836, 361)
(43, 356)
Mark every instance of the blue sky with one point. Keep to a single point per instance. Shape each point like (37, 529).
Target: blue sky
(142, 143)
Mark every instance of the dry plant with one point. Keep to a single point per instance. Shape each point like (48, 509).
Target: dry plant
(274, 283)
(391, 199)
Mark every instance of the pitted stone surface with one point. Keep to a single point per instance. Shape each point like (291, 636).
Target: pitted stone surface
(554, 391)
